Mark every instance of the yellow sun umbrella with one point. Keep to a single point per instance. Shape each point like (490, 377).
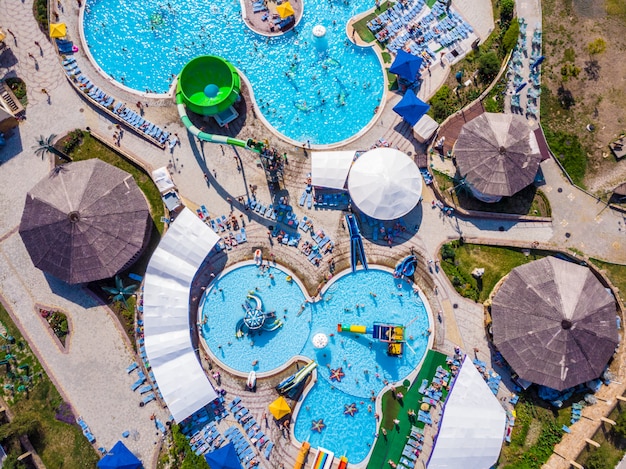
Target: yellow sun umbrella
(58, 30)
(279, 408)
(285, 10)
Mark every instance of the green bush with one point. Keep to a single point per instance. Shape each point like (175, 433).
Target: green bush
(442, 104)
(447, 252)
(40, 11)
(72, 140)
(488, 66)
(18, 87)
(596, 47)
(510, 38)
(506, 11)
(601, 458)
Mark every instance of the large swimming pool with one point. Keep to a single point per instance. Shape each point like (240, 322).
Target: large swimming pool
(361, 298)
(307, 89)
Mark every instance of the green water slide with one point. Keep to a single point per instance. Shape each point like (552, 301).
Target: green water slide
(209, 85)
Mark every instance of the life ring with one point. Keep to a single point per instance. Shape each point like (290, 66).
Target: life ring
(74, 48)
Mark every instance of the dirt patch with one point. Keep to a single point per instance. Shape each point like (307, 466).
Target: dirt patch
(584, 46)
(534, 432)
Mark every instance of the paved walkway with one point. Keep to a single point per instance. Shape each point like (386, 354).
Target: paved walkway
(92, 374)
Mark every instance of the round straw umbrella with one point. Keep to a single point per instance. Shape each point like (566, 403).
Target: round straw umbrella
(498, 154)
(86, 221)
(554, 323)
(385, 183)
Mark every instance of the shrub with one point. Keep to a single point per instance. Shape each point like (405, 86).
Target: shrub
(510, 38)
(447, 252)
(488, 66)
(72, 140)
(601, 458)
(506, 11)
(442, 104)
(596, 47)
(18, 87)
(40, 11)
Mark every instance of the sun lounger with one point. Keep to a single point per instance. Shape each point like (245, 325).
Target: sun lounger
(150, 397)
(303, 198)
(137, 383)
(309, 200)
(82, 423)
(90, 437)
(409, 453)
(409, 464)
(145, 389)
(132, 367)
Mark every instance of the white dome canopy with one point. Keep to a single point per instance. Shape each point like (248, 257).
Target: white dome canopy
(385, 183)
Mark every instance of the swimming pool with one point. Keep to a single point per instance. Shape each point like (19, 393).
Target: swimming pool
(322, 91)
(360, 298)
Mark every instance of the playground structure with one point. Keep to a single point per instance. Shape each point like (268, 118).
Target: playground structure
(255, 318)
(209, 86)
(391, 334)
(357, 252)
(302, 454)
(406, 267)
(323, 459)
(293, 385)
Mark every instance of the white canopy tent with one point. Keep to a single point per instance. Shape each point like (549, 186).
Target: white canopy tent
(385, 183)
(330, 168)
(180, 377)
(163, 180)
(473, 424)
(425, 128)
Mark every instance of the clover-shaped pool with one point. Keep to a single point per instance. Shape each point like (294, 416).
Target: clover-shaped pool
(360, 298)
(323, 93)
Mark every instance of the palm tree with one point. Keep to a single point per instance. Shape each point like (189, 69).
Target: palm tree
(45, 145)
(119, 292)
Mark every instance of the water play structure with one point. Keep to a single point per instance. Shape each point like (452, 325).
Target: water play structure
(209, 86)
(294, 383)
(406, 267)
(392, 334)
(302, 454)
(255, 318)
(258, 257)
(343, 462)
(323, 459)
(251, 381)
(356, 244)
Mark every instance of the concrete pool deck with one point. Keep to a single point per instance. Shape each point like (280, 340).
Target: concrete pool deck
(102, 395)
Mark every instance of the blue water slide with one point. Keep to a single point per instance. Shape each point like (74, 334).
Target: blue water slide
(357, 252)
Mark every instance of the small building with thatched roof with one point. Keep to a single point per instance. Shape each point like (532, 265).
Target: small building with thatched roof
(497, 155)
(85, 221)
(554, 323)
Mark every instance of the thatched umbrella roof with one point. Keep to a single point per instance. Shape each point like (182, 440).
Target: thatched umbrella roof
(497, 154)
(621, 189)
(554, 323)
(86, 221)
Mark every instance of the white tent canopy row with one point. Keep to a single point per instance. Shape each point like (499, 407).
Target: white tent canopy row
(330, 168)
(473, 424)
(167, 284)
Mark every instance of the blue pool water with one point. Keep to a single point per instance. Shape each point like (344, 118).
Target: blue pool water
(307, 89)
(364, 361)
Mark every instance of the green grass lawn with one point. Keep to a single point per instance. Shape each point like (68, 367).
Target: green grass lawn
(537, 430)
(92, 148)
(59, 444)
(392, 447)
(616, 274)
(529, 201)
(497, 262)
